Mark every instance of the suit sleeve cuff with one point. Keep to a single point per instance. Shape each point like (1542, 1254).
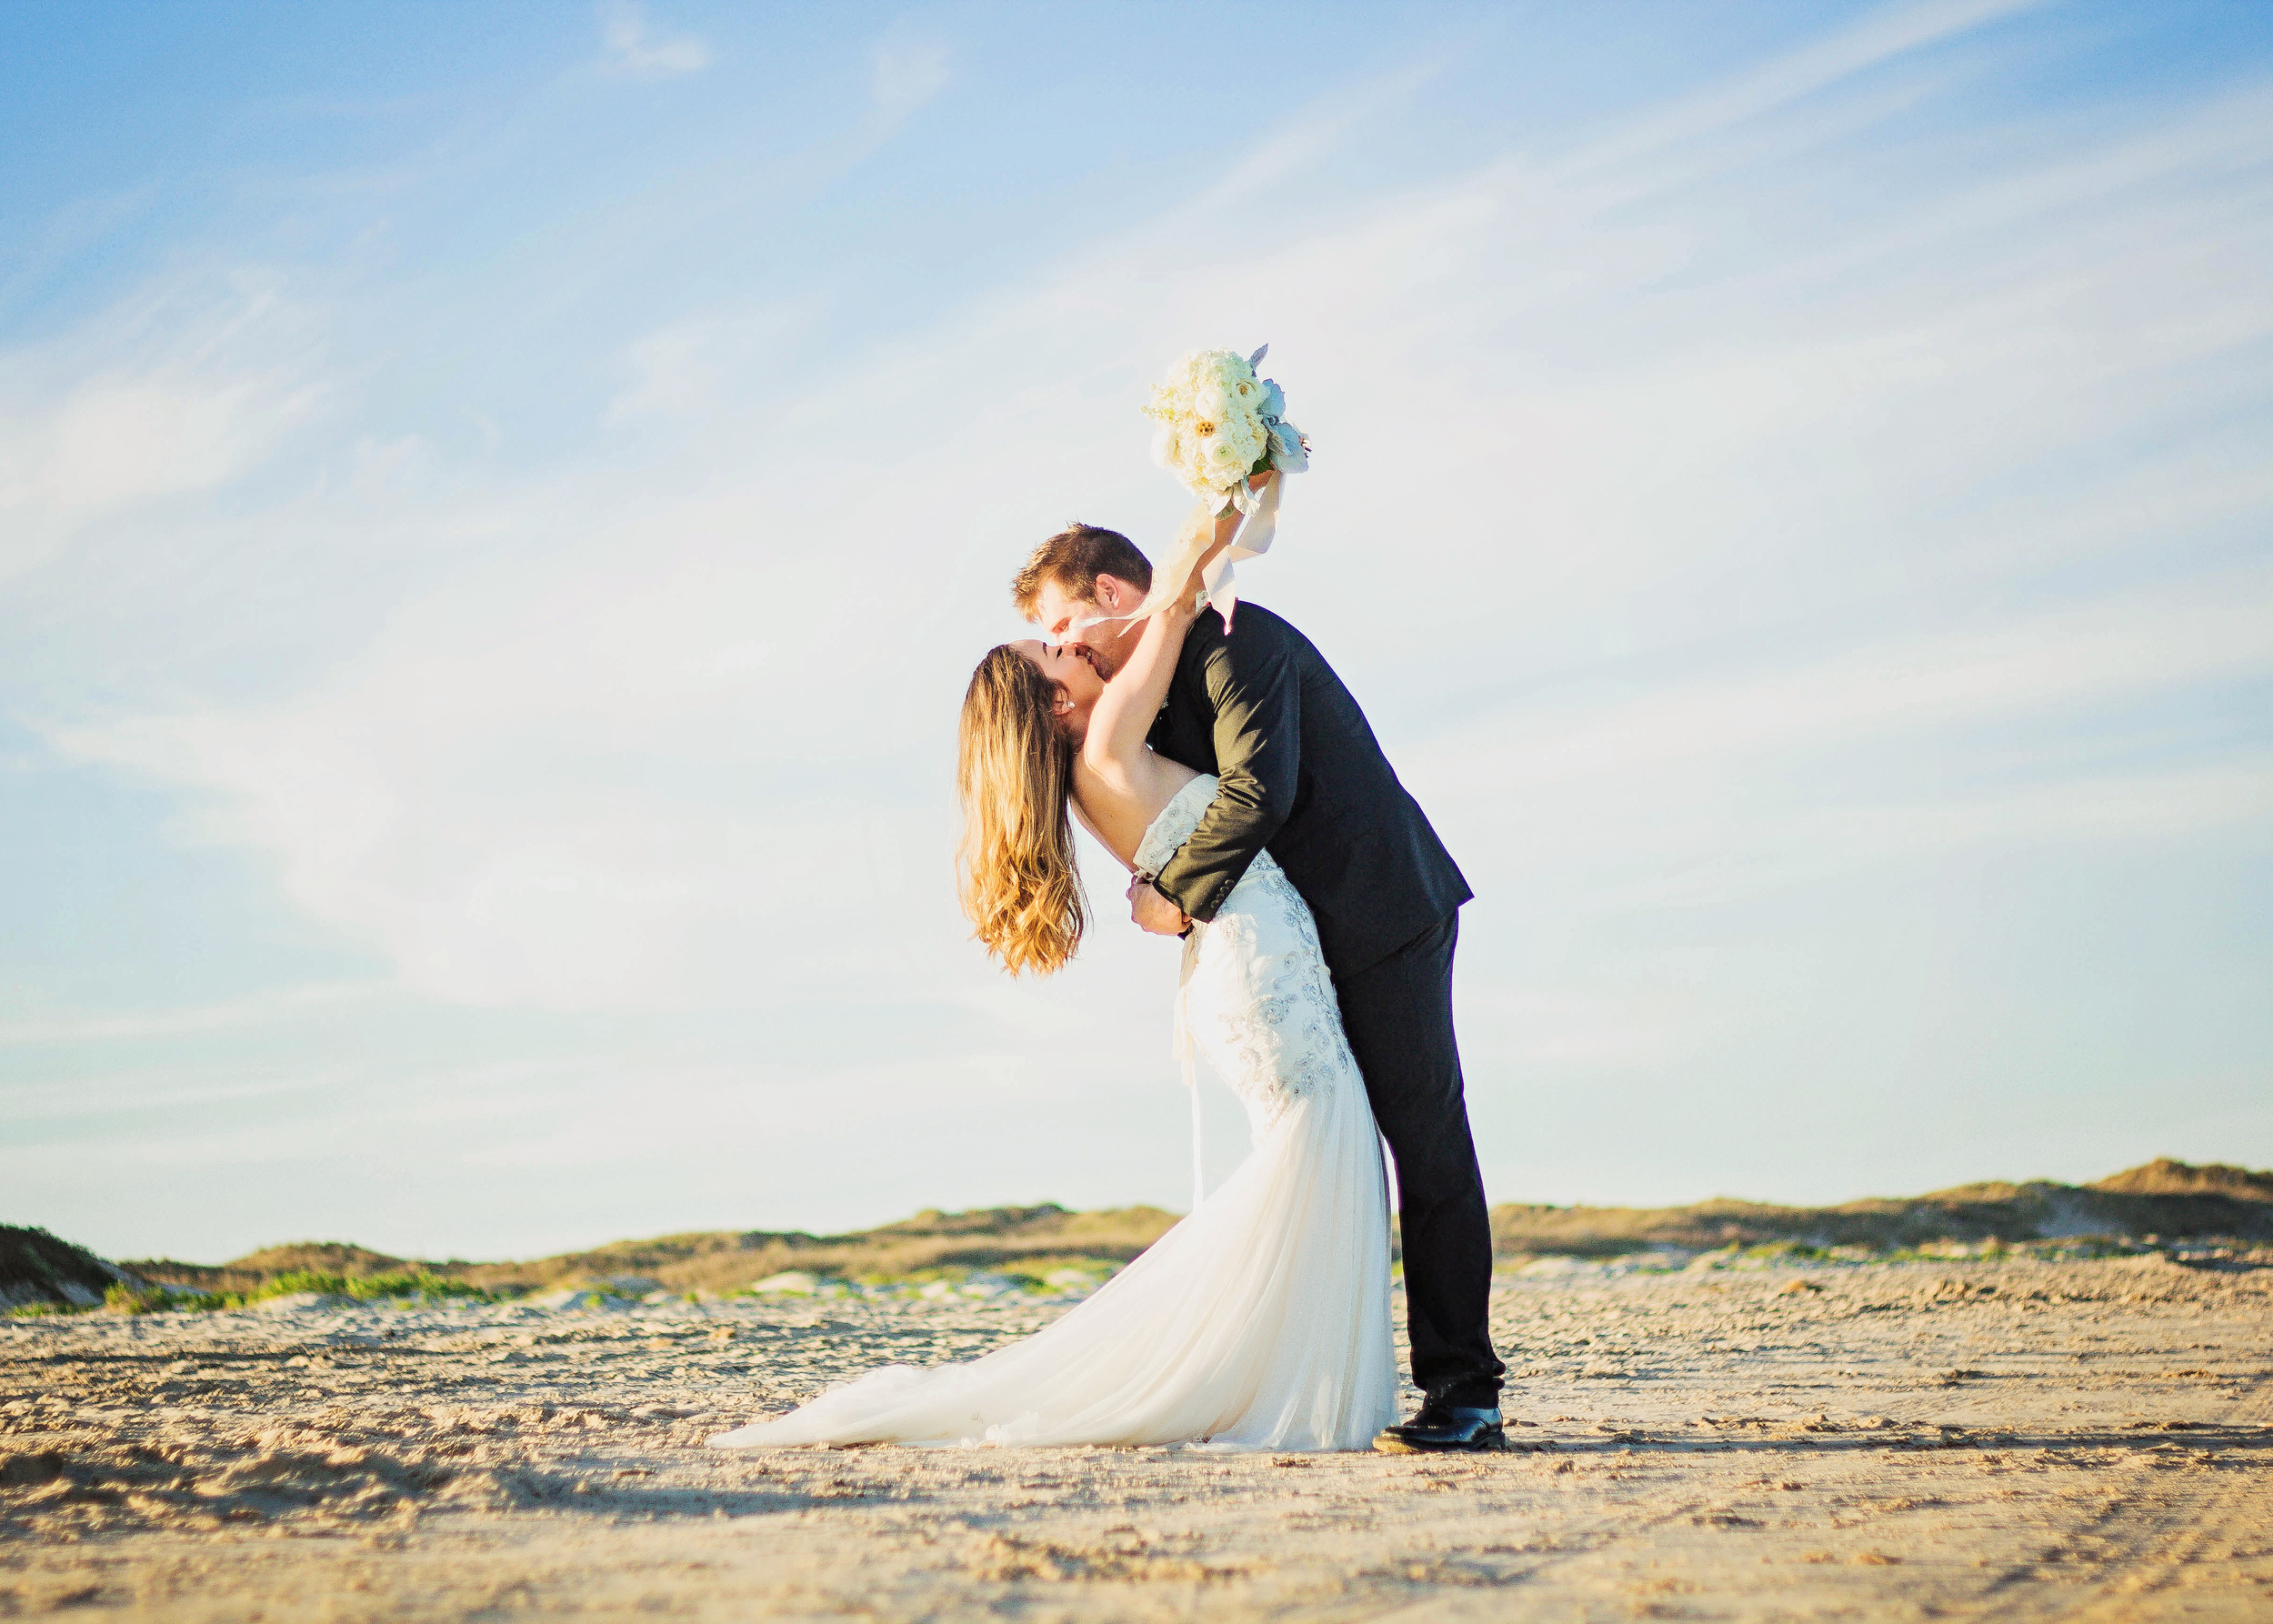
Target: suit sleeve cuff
(1200, 907)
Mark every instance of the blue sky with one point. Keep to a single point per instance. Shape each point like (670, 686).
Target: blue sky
(497, 504)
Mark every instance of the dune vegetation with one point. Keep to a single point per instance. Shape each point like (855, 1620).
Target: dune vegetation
(2160, 1202)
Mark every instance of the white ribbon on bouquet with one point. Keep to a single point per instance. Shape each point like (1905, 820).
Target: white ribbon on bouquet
(1219, 585)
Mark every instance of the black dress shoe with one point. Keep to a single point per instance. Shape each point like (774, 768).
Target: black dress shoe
(1442, 1429)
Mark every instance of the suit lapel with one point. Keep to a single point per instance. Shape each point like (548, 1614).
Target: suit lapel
(1185, 729)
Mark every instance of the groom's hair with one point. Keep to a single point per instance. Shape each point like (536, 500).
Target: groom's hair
(1075, 557)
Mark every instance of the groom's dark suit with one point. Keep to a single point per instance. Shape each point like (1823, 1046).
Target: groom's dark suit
(1303, 778)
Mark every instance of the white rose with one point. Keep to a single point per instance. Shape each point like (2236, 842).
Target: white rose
(1209, 414)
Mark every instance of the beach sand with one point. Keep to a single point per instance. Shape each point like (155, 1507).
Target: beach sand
(2005, 1439)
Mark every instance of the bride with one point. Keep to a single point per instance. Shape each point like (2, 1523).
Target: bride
(1262, 1320)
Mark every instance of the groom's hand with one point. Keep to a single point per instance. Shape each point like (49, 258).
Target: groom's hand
(1149, 910)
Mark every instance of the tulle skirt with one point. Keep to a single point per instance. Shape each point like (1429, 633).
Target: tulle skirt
(1259, 1322)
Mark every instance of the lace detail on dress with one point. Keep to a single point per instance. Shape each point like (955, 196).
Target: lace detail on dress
(1257, 999)
(1176, 823)
(1261, 1004)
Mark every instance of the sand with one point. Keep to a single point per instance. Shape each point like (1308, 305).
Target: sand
(2001, 1439)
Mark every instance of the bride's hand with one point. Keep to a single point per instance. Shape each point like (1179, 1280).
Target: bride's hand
(1226, 522)
(1149, 910)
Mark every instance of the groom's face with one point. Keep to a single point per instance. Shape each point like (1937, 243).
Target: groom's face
(1105, 646)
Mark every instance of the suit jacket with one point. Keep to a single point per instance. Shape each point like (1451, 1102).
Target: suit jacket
(1303, 778)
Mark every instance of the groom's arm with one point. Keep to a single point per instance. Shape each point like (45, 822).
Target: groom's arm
(1256, 691)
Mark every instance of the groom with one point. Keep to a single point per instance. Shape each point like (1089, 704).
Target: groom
(1301, 776)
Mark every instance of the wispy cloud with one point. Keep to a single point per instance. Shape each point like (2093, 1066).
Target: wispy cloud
(435, 796)
(908, 70)
(711, 361)
(265, 1009)
(635, 49)
(1880, 37)
(181, 390)
(2214, 631)
(1699, 551)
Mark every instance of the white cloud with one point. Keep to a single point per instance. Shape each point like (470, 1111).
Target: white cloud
(29, 1030)
(381, 468)
(1690, 545)
(633, 49)
(582, 788)
(2217, 630)
(709, 362)
(1596, 1027)
(1878, 38)
(908, 70)
(182, 390)
(1695, 855)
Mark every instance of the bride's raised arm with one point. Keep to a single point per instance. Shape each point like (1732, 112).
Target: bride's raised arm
(1123, 713)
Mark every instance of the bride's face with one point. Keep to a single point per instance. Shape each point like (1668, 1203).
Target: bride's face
(1077, 683)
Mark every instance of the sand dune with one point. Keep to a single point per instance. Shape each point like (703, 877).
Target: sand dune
(2163, 1200)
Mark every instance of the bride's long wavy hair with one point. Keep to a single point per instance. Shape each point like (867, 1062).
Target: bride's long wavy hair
(1020, 884)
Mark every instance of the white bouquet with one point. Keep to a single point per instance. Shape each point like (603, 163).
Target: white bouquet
(1220, 423)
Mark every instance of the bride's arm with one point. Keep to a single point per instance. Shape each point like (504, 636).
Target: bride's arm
(1123, 714)
(1081, 814)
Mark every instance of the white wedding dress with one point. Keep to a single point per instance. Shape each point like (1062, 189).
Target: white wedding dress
(1259, 1322)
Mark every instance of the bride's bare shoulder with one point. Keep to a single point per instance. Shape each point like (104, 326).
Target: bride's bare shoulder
(1164, 780)
(1119, 811)
(1175, 773)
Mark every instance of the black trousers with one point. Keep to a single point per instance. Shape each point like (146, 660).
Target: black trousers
(1399, 1015)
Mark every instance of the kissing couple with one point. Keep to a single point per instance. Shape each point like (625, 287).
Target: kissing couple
(1235, 778)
